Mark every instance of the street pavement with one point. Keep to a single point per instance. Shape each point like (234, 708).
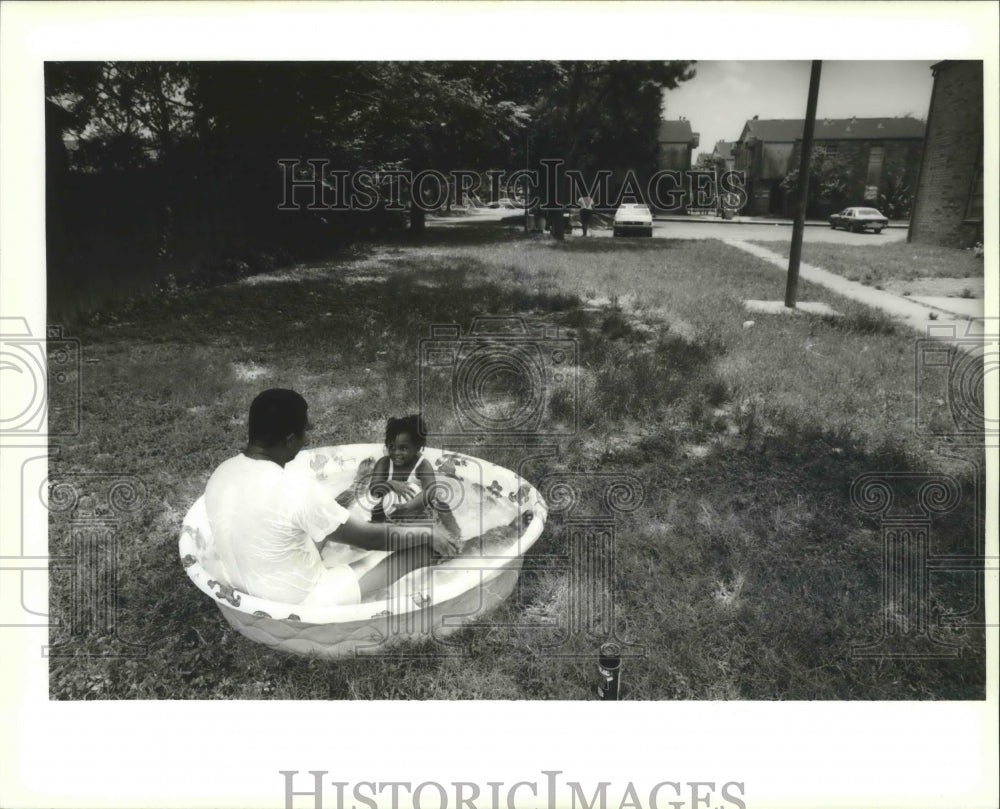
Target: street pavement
(749, 228)
(698, 227)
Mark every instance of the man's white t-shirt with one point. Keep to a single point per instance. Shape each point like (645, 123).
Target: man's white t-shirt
(265, 523)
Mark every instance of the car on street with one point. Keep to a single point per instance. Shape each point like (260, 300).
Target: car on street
(633, 218)
(857, 219)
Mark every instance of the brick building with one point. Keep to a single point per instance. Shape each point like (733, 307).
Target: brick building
(874, 160)
(948, 207)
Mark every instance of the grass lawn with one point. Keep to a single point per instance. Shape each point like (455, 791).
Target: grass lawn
(894, 261)
(747, 573)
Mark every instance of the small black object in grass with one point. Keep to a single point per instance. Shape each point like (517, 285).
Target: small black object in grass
(609, 667)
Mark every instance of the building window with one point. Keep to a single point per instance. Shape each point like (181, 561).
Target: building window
(974, 208)
(876, 156)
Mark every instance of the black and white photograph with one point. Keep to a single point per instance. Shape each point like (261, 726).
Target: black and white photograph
(373, 411)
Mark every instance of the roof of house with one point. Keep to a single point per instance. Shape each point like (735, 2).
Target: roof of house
(724, 148)
(790, 129)
(675, 132)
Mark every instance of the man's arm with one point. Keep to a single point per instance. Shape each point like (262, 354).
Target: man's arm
(386, 537)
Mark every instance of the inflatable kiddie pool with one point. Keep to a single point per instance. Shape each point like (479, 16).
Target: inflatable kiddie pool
(500, 514)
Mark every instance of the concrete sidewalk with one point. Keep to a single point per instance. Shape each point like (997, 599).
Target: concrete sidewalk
(925, 314)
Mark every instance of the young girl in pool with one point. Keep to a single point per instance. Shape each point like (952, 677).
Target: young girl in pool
(403, 481)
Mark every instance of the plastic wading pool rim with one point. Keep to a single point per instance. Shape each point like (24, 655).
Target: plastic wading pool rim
(432, 602)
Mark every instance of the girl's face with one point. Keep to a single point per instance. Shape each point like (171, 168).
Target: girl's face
(403, 450)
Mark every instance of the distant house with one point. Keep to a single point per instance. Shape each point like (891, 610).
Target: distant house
(704, 162)
(675, 144)
(875, 157)
(724, 155)
(948, 207)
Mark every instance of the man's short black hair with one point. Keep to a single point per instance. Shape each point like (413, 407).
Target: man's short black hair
(413, 426)
(275, 414)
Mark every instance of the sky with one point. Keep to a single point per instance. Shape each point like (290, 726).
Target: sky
(724, 95)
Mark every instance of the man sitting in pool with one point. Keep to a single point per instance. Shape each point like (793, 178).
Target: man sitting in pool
(268, 526)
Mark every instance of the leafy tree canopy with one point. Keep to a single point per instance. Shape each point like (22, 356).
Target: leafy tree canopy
(422, 114)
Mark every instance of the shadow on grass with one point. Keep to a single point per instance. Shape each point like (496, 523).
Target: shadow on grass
(307, 313)
(772, 576)
(460, 234)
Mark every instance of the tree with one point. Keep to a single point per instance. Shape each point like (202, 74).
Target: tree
(441, 116)
(896, 197)
(831, 180)
(125, 114)
(602, 115)
(227, 124)
(365, 115)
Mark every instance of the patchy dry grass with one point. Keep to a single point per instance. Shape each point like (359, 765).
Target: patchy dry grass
(894, 261)
(747, 573)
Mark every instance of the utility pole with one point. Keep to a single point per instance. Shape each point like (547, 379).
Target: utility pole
(795, 255)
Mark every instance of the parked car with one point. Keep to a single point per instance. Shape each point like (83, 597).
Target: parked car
(507, 202)
(633, 218)
(857, 219)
